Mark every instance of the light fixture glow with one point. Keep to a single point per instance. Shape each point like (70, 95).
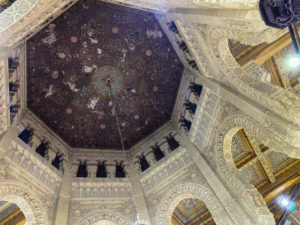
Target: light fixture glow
(294, 61)
(285, 202)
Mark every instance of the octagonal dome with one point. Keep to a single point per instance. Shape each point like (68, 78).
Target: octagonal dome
(70, 60)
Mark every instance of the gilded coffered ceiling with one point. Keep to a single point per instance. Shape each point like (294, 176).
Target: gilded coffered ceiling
(10, 213)
(70, 61)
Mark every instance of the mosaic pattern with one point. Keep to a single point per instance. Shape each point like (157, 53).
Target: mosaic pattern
(67, 62)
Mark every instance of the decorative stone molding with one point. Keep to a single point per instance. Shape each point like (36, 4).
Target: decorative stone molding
(101, 188)
(228, 3)
(168, 204)
(165, 168)
(253, 202)
(4, 97)
(39, 16)
(22, 156)
(96, 218)
(15, 12)
(203, 123)
(28, 203)
(279, 100)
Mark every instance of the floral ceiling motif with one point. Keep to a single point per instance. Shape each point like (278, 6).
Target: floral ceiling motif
(70, 61)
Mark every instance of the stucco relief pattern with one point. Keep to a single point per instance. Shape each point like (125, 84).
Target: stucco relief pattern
(97, 188)
(15, 12)
(168, 204)
(203, 122)
(112, 217)
(28, 203)
(243, 189)
(246, 82)
(167, 167)
(4, 117)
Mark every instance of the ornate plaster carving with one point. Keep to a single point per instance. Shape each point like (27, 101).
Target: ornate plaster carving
(98, 217)
(255, 205)
(27, 201)
(101, 188)
(249, 82)
(4, 99)
(168, 204)
(15, 12)
(165, 168)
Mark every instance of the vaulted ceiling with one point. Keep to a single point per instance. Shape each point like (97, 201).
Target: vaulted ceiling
(71, 59)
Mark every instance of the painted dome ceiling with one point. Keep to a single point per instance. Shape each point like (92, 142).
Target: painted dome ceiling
(70, 60)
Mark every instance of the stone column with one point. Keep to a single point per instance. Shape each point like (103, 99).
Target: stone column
(63, 205)
(138, 194)
(74, 170)
(150, 158)
(51, 155)
(111, 170)
(126, 169)
(230, 200)
(165, 148)
(35, 142)
(92, 170)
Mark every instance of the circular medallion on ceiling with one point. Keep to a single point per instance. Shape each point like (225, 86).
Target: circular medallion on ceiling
(102, 76)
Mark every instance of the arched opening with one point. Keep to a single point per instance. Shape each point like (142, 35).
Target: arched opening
(28, 202)
(276, 58)
(199, 194)
(273, 174)
(191, 211)
(11, 214)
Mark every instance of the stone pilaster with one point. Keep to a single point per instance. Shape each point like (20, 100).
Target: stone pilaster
(74, 170)
(138, 195)
(35, 142)
(111, 170)
(62, 209)
(165, 148)
(51, 155)
(92, 170)
(150, 158)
